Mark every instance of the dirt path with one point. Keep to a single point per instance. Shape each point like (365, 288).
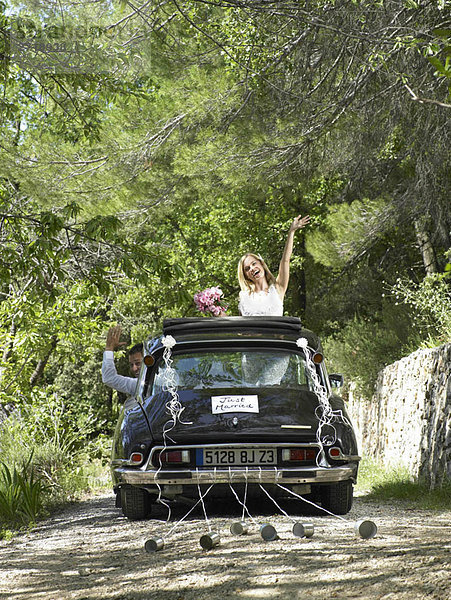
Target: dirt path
(90, 552)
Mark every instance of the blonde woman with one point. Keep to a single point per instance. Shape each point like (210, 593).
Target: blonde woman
(261, 293)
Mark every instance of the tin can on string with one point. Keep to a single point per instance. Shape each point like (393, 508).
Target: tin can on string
(268, 532)
(365, 528)
(303, 530)
(239, 528)
(210, 540)
(154, 545)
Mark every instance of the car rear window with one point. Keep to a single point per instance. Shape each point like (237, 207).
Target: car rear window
(239, 369)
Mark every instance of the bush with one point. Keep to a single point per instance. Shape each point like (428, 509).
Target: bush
(412, 316)
(21, 494)
(430, 306)
(63, 461)
(365, 346)
(79, 386)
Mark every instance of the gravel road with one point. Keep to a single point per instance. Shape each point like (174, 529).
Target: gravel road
(89, 551)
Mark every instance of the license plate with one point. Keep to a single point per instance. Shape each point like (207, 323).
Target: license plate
(238, 456)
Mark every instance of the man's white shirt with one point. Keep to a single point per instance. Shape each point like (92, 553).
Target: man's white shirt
(110, 376)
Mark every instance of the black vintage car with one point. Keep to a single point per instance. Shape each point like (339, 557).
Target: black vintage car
(233, 404)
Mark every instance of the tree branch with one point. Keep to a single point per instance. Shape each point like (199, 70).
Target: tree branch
(416, 98)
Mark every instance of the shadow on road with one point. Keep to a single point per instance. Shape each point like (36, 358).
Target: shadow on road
(89, 551)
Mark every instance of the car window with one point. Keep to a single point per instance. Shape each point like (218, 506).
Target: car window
(250, 368)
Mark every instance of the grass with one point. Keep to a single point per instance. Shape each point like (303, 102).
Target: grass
(379, 483)
(25, 498)
(21, 493)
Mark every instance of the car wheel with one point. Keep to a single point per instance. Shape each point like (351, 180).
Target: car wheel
(337, 497)
(136, 503)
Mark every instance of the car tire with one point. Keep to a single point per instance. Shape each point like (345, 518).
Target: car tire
(337, 498)
(136, 503)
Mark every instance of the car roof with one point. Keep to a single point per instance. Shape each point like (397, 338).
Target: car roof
(198, 331)
(222, 324)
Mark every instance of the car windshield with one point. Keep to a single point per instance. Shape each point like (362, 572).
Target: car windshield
(245, 369)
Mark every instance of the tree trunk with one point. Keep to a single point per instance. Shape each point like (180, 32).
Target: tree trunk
(7, 352)
(298, 285)
(37, 373)
(9, 346)
(425, 246)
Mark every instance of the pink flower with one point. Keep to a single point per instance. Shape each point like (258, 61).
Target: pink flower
(210, 301)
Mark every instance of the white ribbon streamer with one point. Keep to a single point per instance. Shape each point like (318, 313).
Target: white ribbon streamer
(324, 413)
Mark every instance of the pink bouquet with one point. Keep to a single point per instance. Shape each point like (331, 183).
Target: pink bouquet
(210, 301)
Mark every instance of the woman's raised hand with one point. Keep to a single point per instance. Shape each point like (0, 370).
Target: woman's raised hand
(299, 222)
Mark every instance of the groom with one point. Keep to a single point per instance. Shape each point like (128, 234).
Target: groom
(110, 376)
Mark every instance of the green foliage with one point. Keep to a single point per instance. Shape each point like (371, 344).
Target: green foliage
(70, 64)
(130, 183)
(373, 474)
(345, 226)
(71, 320)
(45, 428)
(413, 315)
(366, 345)
(21, 494)
(429, 303)
(438, 53)
(64, 459)
(377, 483)
(76, 382)
(53, 249)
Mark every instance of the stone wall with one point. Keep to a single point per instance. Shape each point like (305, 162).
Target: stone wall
(408, 420)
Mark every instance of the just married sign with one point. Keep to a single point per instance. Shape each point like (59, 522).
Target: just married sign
(228, 404)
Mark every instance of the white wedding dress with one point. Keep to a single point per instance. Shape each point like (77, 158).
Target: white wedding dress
(261, 304)
(263, 369)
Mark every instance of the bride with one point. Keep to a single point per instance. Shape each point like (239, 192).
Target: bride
(261, 293)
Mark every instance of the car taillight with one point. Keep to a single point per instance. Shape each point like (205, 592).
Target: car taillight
(175, 457)
(298, 454)
(335, 452)
(136, 458)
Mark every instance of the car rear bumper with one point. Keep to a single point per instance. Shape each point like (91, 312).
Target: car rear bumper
(310, 474)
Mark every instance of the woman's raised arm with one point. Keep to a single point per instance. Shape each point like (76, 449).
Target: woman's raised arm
(283, 276)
